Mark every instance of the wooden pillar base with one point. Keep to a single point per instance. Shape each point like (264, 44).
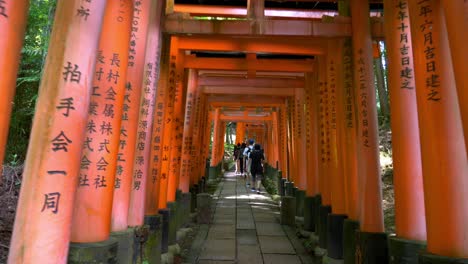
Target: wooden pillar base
(309, 213)
(318, 203)
(350, 227)
(288, 211)
(165, 216)
(323, 217)
(404, 251)
(335, 235)
(289, 187)
(372, 248)
(125, 240)
(212, 173)
(173, 219)
(99, 252)
(204, 208)
(194, 190)
(300, 196)
(427, 258)
(153, 245)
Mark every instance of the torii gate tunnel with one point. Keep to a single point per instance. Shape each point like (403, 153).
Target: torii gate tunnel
(134, 92)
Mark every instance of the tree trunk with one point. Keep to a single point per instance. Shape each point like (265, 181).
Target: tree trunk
(381, 87)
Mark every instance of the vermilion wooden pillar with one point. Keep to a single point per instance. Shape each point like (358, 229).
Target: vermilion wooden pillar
(216, 132)
(93, 204)
(334, 82)
(443, 152)
(456, 18)
(300, 140)
(346, 113)
(187, 143)
(206, 136)
(195, 154)
(154, 199)
(52, 164)
(130, 114)
(275, 143)
(371, 214)
(291, 139)
(13, 19)
(410, 220)
(312, 143)
(142, 180)
(240, 136)
(177, 121)
(169, 122)
(284, 141)
(324, 181)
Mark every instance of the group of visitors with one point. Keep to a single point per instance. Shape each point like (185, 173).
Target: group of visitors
(250, 163)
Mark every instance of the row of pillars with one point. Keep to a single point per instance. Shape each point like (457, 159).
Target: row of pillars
(129, 153)
(332, 148)
(116, 135)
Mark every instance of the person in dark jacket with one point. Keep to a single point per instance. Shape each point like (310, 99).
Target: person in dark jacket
(257, 163)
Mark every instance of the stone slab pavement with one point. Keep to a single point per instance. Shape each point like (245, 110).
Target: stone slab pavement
(246, 229)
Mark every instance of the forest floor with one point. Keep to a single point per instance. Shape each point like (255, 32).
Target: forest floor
(12, 175)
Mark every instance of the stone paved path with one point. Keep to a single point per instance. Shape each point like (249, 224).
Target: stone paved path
(246, 229)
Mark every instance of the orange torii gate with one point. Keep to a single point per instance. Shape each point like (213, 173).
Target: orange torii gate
(323, 131)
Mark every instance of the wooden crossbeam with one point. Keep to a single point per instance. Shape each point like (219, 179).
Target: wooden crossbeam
(283, 65)
(297, 82)
(237, 90)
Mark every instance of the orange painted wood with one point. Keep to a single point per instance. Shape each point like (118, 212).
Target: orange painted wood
(195, 149)
(130, 114)
(335, 169)
(443, 152)
(188, 132)
(292, 133)
(312, 134)
(215, 144)
(177, 121)
(283, 65)
(13, 19)
(169, 124)
(324, 132)
(157, 181)
(456, 18)
(301, 153)
(93, 203)
(254, 44)
(371, 214)
(52, 163)
(142, 180)
(259, 82)
(410, 220)
(346, 112)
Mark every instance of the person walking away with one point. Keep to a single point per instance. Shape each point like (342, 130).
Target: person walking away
(241, 159)
(257, 164)
(237, 149)
(246, 154)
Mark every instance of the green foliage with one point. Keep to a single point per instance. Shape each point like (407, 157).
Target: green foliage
(33, 55)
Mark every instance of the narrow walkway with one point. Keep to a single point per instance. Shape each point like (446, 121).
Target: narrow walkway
(246, 229)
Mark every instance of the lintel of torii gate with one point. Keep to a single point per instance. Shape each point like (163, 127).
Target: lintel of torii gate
(327, 27)
(244, 117)
(245, 100)
(239, 90)
(259, 82)
(284, 65)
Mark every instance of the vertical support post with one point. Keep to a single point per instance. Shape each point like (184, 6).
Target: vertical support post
(372, 241)
(13, 19)
(153, 192)
(187, 143)
(91, 220)
(177, 121)
(371, 217)
(410, 221)
(334, 82)
(215, 144)
(52, 163)
(197, 158)
(256, 13)
(300, 140)
(141, 179)
(443, 152)
(168, 122)
(130, 113)
(456, 18)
